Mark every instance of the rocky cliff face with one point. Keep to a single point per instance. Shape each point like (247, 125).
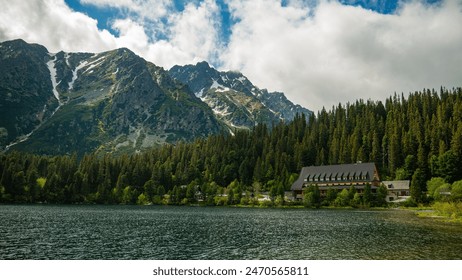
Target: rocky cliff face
(26, 97)
(234, 99)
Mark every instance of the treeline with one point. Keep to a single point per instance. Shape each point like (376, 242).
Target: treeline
(417, 138)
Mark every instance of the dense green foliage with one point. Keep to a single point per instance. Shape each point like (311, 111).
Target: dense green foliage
(417, 137)
(440, 191)
(451, 210)
(446, 198)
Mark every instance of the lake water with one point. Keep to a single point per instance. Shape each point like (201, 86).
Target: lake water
(157, 232)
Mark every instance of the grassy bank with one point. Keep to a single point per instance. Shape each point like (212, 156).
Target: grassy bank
(449, 211)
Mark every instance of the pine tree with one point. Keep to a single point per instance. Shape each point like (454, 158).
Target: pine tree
(418, 185)
(367, 195)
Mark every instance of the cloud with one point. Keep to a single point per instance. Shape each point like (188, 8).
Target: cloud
(131, 35)
(149, 9)
(53, 24)
(151, 14)
(338, 53)
(189, 36)
(319, 53)
(180, 37)
(196, 31)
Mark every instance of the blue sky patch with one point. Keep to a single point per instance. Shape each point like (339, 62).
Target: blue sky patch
(106, 15)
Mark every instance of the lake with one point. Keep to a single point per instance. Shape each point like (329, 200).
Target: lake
(161, 232)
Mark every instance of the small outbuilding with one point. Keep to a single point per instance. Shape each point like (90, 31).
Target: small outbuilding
(397, 190)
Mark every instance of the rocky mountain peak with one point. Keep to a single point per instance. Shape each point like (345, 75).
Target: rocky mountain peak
(233, 98)
(117, 102)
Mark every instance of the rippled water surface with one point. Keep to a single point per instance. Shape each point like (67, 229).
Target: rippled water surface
(156, 232)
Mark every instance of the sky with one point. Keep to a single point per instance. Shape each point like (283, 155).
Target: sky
(318, 52)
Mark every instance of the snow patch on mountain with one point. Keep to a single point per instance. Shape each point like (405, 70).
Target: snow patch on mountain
(200, 93)
(94, 64)
(224, 89)
(75, 73)
(66, 58)
(219, 87)
(52, 68)
(215, 84)
(221, 113)
(271, 110)
(85, 64)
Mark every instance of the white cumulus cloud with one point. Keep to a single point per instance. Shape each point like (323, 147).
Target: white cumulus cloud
(53, 24)
(339, 53)
(196, 31)
(180, 37)
(189, 36)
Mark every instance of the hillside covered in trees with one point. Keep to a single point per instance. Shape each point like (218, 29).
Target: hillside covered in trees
(416, 137)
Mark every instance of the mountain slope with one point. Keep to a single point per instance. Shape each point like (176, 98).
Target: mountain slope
(109, 102)
(26, 97)
(233, 98)
(117, 102)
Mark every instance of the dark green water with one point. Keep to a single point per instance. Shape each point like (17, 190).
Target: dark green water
(156, 232)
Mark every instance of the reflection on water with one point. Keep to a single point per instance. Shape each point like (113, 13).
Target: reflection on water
(155, 232)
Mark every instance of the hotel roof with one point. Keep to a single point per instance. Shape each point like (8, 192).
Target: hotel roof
(336, 173)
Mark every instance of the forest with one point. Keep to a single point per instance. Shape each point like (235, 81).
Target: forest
(416, 137)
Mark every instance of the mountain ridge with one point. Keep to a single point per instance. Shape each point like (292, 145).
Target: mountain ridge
(108, 102)
(234, 98)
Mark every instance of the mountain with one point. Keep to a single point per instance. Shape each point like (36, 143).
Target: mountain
(234, 99)
(117, 102)
(108, 102)
(25, 90)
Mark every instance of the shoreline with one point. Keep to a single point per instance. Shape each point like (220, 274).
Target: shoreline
(434, 212)
(421, 211)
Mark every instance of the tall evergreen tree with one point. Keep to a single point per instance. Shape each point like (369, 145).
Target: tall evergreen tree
(418, 185)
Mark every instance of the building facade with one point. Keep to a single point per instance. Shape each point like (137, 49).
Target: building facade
(397, 191)
(340, 176)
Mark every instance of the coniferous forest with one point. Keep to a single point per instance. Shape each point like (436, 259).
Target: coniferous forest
(416, 137)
